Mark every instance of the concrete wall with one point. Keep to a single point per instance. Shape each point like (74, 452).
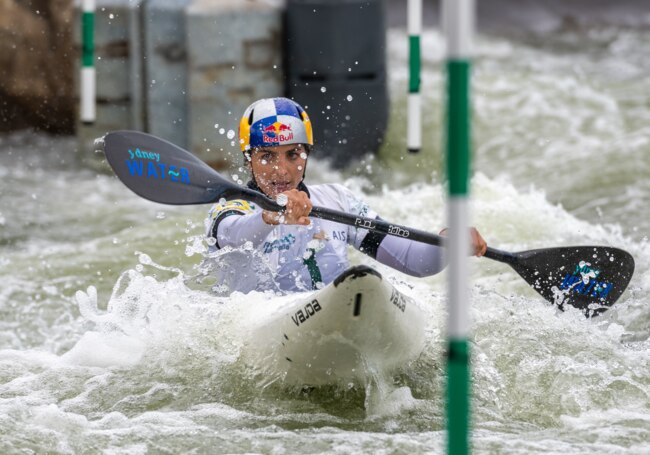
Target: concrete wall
(234, 57)
(165, 66)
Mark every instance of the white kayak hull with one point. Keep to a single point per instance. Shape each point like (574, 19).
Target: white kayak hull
(357, 326)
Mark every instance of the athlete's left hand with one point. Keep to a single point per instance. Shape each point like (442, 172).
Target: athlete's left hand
(478, 243)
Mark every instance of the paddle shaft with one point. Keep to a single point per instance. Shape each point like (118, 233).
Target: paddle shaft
(377, 225)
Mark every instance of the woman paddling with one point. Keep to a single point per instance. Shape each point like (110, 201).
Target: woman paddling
(305, 253)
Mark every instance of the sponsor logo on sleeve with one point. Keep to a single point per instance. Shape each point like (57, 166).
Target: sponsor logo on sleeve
(237, 205)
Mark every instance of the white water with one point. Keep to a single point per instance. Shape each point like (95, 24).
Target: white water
(108, 346)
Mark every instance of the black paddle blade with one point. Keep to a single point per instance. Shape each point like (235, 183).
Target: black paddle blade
(590, 278)
(163, 172)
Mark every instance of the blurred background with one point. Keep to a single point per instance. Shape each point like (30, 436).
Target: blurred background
(185, 69)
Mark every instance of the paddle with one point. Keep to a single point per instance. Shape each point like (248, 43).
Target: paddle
(590, 278)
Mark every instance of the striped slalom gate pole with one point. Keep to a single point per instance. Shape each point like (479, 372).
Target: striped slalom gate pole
(458, 16)
(87, 92)
(414, 118)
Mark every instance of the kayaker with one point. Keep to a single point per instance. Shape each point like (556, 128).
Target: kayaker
(305, 253)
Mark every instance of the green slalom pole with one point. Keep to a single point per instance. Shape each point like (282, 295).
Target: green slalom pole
(459, 17)
(87, 80)
(414, 109)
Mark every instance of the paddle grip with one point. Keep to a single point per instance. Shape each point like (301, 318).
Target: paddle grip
(500, 255)
(377, 225)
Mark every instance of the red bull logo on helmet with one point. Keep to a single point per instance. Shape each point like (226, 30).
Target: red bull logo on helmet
(277, 132)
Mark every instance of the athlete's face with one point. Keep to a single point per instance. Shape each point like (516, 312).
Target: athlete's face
(278, 169)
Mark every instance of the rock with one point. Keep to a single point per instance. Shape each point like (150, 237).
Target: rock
(36, 65)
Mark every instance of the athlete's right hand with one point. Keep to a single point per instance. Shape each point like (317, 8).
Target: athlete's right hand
(296, 210)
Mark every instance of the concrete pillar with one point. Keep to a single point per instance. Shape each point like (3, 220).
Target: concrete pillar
(166, 70)
(234, 57)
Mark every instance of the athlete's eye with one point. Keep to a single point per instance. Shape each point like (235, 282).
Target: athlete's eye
(265, 157)
(295, 153)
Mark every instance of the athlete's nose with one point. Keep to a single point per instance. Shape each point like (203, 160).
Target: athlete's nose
(282, 165)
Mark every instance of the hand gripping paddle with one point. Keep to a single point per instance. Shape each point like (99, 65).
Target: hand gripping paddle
(590, 278)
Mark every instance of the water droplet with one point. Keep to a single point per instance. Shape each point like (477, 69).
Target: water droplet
(282, 199)
(111, 16)
(303, 155)
(231, 134)
(235, 177)
(264, 162)
(216, 125)
(349, 98)
(322, 89)
(300, 168)
(222, 130)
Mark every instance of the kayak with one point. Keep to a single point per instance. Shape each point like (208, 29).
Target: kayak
(358, 325)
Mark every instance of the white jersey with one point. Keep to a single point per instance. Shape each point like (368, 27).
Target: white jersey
(303, 258)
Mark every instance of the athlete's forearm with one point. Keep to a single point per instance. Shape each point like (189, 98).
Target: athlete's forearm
(413, 258)
(235, 230)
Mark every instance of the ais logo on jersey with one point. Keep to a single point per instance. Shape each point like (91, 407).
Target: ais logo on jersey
(235, 206)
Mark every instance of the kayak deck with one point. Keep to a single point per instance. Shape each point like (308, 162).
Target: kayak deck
(356, 326)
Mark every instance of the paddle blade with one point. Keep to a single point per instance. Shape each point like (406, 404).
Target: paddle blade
(590, 278)
(163, 172)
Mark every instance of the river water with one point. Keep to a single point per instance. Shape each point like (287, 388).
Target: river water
(108, 345)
